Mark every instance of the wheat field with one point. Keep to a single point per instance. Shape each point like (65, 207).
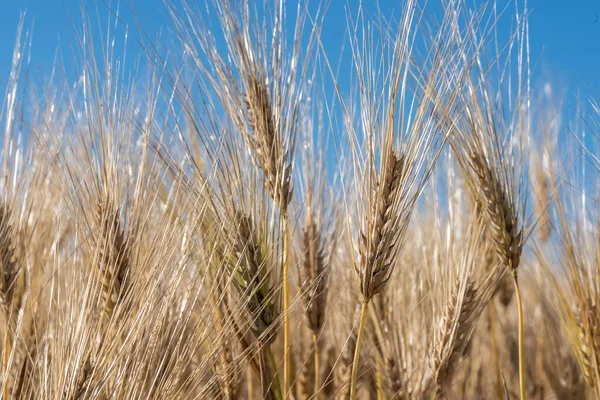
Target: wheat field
(239, 221)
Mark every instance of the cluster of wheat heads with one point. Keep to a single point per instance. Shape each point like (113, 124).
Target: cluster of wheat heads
(242, 223)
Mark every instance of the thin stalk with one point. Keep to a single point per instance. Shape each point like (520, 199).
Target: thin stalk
(287, 362)
(317, 366)
(363, 313)
(495, 350)
(5, 359)
(219, 324)
(379, 379)
(521, 344)
(21, 382)
(250, 387)
(274, 365)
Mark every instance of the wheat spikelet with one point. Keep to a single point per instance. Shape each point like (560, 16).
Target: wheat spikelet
(377, 245)
(267, 143)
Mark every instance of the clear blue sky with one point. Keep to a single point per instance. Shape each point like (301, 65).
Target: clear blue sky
(565, 40)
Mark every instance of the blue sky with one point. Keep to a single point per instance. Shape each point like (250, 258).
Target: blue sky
(564, 37)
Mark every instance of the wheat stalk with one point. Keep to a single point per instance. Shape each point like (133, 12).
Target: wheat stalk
(394, 153)
(505, 232)
(268, 145)
(345, 365)
(314, 288)
(318, 245)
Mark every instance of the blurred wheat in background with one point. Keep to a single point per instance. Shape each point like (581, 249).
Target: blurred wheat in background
(238, 221)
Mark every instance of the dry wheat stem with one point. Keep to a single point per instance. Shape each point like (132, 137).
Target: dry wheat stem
(353, 379)
(317, 355)
(345, 365)
(523, 390)
(506, 234)
(268, 147)
(287, 363)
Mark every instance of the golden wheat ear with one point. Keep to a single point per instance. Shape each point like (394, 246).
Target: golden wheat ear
(378, 240)
(252, 280)
(318, 245)
(113, 257)
(267, 143)
(315, 271)
(504, 221)
(575, 283)
(456, 326)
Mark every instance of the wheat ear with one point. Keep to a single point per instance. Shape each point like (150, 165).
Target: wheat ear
(251, 278)
(315, 266)
(456, 327)
(269, 150)
(266, 143)
(506, 235)
(378, 245)
(113, 257)
(588, 336)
